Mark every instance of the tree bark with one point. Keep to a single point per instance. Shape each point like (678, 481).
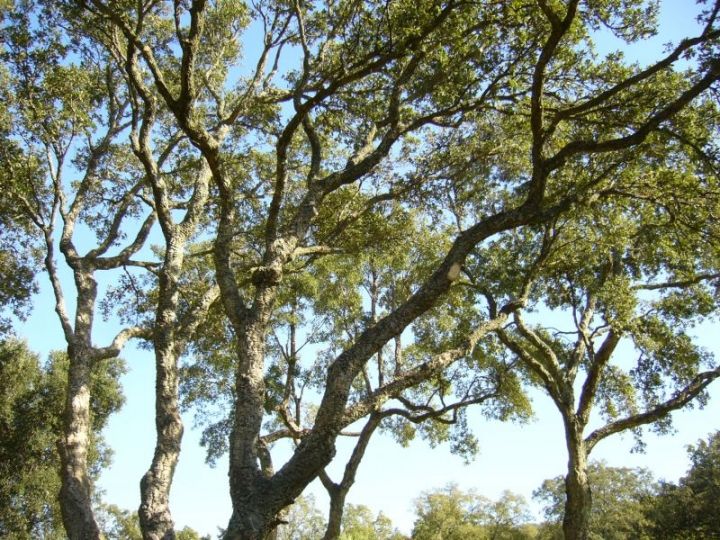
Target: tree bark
(76, 486)
(578, 502)
(155, 518)
(252, 515)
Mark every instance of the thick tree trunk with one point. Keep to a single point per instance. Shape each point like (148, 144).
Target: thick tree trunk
(578, 503)
(253, 514)
(155, 518)
(335, 515)
(76, 488)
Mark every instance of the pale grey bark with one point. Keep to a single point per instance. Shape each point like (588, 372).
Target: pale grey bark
(170, 335)
(76, 488)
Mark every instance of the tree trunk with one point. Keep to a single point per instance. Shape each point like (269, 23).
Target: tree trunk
(250, 490)
(76, 488)
(335, 515)
(578, 502)
(155, 518)
(338, 492)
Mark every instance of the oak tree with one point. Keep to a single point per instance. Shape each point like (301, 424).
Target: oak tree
(300, 124)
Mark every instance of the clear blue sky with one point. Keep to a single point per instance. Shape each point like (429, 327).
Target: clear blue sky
(512, 457)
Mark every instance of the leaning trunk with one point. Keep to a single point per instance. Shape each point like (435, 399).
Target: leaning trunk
(76, 488)
(578, 502)
(155, 518)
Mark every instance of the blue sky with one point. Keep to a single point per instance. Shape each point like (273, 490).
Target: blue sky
(514, 457)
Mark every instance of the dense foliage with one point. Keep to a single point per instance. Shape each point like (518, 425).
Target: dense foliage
(621, 499)
(31, 403)
(317, 214)
(688, 509)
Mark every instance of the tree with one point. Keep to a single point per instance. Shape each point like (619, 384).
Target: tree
(88, 167)
(359, 523)
(67, 118)
(18, 253)
(604, 299)
(434, 409)
(119, 524)
(506, 517)
(481, 118)
(687, 510)
(621, 497)
(302, 521)
(31, 405)
(450, 513)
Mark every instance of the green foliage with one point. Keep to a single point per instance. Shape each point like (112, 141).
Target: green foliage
(688, 510)
(18, 242)
(451, 514)
(392, 136)
(359, 523)
(620, 499)
(303, 521)
(119, 524)
(31, 407)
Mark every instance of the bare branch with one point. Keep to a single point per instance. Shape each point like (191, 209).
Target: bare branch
(598, 361)
(421, 372)
(679, 400)
(113, 350)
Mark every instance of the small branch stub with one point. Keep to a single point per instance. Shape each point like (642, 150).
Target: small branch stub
(454, 272)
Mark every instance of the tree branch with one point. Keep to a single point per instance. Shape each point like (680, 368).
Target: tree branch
(679, 400)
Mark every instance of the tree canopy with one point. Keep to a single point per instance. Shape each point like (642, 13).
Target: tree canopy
(686, 509)
(621, 498)
(320, 213)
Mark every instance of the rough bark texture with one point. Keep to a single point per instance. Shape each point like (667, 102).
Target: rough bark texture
(578, 502)
(252, 517)
(169, 340)
(257, 499)
(76, 489)
(155, 518)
